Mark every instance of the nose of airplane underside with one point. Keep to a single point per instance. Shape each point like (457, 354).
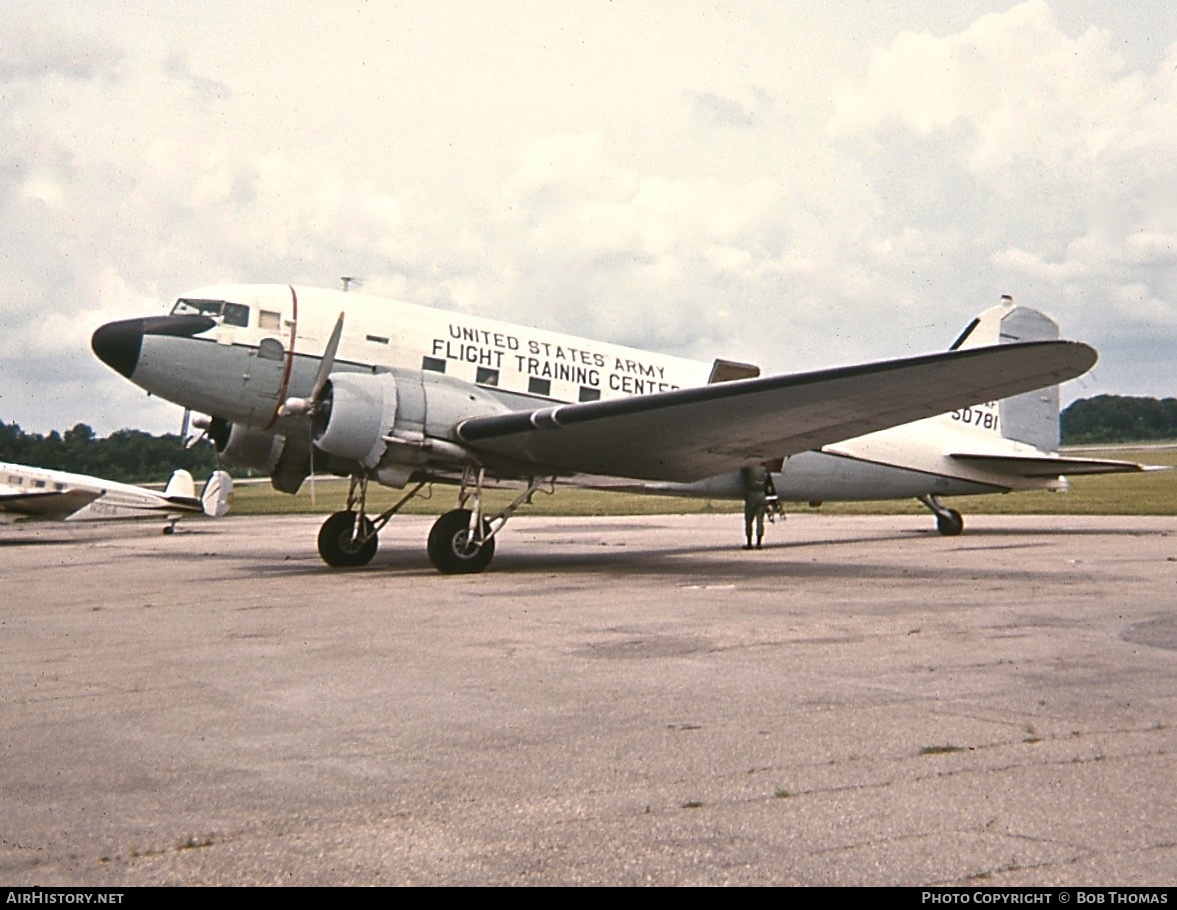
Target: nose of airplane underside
(119, 344)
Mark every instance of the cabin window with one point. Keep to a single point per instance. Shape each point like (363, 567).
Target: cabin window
(433, 364)
(539, 386)
(271, 349)
(487, 376)
(269, 321)
(38, 484)
(589, 394)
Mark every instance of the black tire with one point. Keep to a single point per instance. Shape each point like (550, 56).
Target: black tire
(448, 550)
(950, 524)
(337, 547)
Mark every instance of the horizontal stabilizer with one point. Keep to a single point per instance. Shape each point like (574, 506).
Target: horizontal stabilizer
(1046, 466)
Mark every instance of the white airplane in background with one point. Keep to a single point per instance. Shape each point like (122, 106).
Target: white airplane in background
(29, 493)
(385, 391)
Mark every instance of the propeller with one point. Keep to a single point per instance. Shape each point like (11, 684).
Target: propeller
(298, 406)
(308, 406)
(200, 422)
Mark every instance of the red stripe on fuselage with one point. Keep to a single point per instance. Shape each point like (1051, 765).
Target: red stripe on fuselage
(289, 363)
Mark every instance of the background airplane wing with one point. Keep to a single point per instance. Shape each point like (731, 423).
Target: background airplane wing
(51, 504)
(688, 434)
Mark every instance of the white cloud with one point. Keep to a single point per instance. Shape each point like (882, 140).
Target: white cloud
(1043, 147)
(775, 184)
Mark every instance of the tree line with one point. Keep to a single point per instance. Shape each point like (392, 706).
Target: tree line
(127, 456)
(1119, 418)
(131, 456)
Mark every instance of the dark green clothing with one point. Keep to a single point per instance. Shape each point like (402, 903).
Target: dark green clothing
(755, 501)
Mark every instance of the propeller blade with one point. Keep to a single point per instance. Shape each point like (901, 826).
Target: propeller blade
(200, 422)
(298, 407)
(328, 362)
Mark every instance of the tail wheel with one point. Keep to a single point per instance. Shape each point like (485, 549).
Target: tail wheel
(949, 523)
(450, 548)
(339, 546)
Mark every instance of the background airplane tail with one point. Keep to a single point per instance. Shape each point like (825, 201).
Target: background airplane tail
(180, 486)
(217, 495)
(1031, 418)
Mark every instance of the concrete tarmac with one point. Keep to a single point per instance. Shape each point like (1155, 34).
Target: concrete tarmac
(618, 701)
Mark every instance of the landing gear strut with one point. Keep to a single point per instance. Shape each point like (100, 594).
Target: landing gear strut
(462, 541)
(349, 538)
(949, 522)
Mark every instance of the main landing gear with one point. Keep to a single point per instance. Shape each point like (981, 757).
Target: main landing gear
(348, 539)
(949, 522)
(462, 541)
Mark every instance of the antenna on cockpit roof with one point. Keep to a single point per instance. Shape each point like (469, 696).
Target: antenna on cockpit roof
(347, 280)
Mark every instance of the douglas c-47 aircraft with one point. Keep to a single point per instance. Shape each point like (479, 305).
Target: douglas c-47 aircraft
(403, 395)
(30, 493)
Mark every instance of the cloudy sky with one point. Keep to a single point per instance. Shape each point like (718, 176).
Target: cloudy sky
(799, 184)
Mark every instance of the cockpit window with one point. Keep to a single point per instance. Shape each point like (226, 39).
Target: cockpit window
(222, 310)
(236, 314)
(198, 308)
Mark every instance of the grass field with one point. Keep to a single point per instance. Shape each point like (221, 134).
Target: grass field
(1154, 493)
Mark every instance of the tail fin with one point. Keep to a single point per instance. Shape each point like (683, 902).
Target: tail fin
(1032, 417)
(180, 486)
(217, 495)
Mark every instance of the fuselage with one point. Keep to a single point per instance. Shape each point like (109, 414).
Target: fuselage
(238, 352)
(246, 348)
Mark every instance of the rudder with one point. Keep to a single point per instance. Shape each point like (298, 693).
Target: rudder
(1033, 417)
(217, 495)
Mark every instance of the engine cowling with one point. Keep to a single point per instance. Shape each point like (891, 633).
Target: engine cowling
(246, 447)
(389, 424)
(355, 415)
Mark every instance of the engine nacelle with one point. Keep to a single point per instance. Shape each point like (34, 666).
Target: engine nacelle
(356, 413)
(246, 447)
(389, 424)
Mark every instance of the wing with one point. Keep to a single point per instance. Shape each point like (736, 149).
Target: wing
(688, 434)
(51, 504)
(1041, 466)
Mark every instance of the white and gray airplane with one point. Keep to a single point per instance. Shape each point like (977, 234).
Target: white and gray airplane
(32, 493)
(378, 390)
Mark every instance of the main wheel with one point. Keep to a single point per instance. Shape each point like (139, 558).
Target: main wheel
(449, 546)
(950, 524)
(337, 545)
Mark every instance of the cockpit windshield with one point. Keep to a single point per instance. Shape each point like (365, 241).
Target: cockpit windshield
(221, 310)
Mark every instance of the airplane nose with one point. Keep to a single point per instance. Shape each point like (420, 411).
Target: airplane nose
(118, 344)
